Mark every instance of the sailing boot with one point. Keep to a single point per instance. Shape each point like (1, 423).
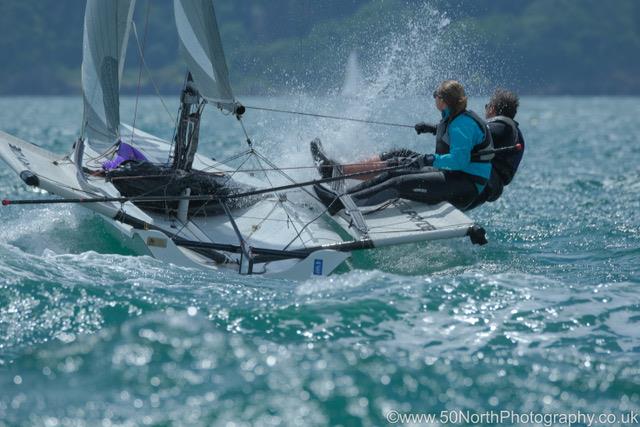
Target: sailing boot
(328, 198)
(324, 164)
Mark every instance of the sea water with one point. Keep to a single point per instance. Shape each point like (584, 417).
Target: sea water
(544, 320)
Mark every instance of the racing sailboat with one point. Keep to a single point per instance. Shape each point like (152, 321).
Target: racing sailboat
(176, 205)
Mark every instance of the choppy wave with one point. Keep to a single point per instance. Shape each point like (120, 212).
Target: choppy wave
(544, 318)
(90, 337)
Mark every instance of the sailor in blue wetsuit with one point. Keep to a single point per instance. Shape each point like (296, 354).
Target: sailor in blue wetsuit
(456, 173)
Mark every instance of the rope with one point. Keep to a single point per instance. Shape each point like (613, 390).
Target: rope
(325, 116)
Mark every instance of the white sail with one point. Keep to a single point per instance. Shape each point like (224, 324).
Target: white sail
(106, 33)
(202, 50)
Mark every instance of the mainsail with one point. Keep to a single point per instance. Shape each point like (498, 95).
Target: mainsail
(106, 33)
(202, 50)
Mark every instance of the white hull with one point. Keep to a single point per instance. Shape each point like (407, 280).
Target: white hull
(284, 221)
(276, 222)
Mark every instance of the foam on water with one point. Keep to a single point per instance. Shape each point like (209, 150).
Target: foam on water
(211, 349)
(543, 318)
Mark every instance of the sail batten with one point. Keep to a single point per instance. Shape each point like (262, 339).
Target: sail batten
(201, 47)
(106, 34)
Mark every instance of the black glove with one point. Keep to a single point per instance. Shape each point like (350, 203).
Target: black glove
(423, 127)
(394, 161)
(422, 161)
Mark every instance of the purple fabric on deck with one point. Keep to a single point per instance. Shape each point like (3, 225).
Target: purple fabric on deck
(125, 153)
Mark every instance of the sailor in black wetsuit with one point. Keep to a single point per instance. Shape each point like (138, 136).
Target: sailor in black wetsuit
(457, 173)
(500, 112)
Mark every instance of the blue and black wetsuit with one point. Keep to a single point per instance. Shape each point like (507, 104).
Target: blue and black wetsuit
(454, 177)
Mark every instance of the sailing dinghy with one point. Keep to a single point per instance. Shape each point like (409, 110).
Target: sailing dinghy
(176, 205)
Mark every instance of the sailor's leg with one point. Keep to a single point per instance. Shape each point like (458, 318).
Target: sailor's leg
(372, 165)
(491, 192)
(385, 186)
(329, 198)
(377, 163)
(440, 186)
(377, 186)
(427, 187)
(402, 152)
(327, 167)
(385, 176)
(324, 164)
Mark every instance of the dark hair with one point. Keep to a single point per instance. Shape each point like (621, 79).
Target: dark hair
(452, 93)
(504, 103)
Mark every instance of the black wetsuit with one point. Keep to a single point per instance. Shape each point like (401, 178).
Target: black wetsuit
(505, 132)
(426, 185)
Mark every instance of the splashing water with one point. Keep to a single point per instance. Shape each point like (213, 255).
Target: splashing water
(353, 80)
(544, 318)
(411, 60)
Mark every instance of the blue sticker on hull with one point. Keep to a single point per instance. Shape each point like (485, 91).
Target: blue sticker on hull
(317, 267)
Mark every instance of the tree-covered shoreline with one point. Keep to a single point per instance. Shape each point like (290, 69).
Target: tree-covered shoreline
(538, 47)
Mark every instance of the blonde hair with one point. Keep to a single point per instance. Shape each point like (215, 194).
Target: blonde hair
(452, 93)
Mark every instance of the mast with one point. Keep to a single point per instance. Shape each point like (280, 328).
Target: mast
(188, 131)
(207, 79)
(202, 51)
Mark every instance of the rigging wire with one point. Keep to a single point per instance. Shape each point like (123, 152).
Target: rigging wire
(141, 51)
(280, 202)
(210, 196)
(263, 169)
(110, 151)
(224, 162)
(304, 227)
(249, 142)
(326, 116)
(269, 163)
(143, 64)
(148, 71)
(276, 169)
(206, 202)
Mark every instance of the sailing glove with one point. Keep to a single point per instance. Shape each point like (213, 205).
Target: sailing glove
(394, 161)
(422, 161)
(423, 127)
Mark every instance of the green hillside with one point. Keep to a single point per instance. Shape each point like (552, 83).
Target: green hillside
(274, 46)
